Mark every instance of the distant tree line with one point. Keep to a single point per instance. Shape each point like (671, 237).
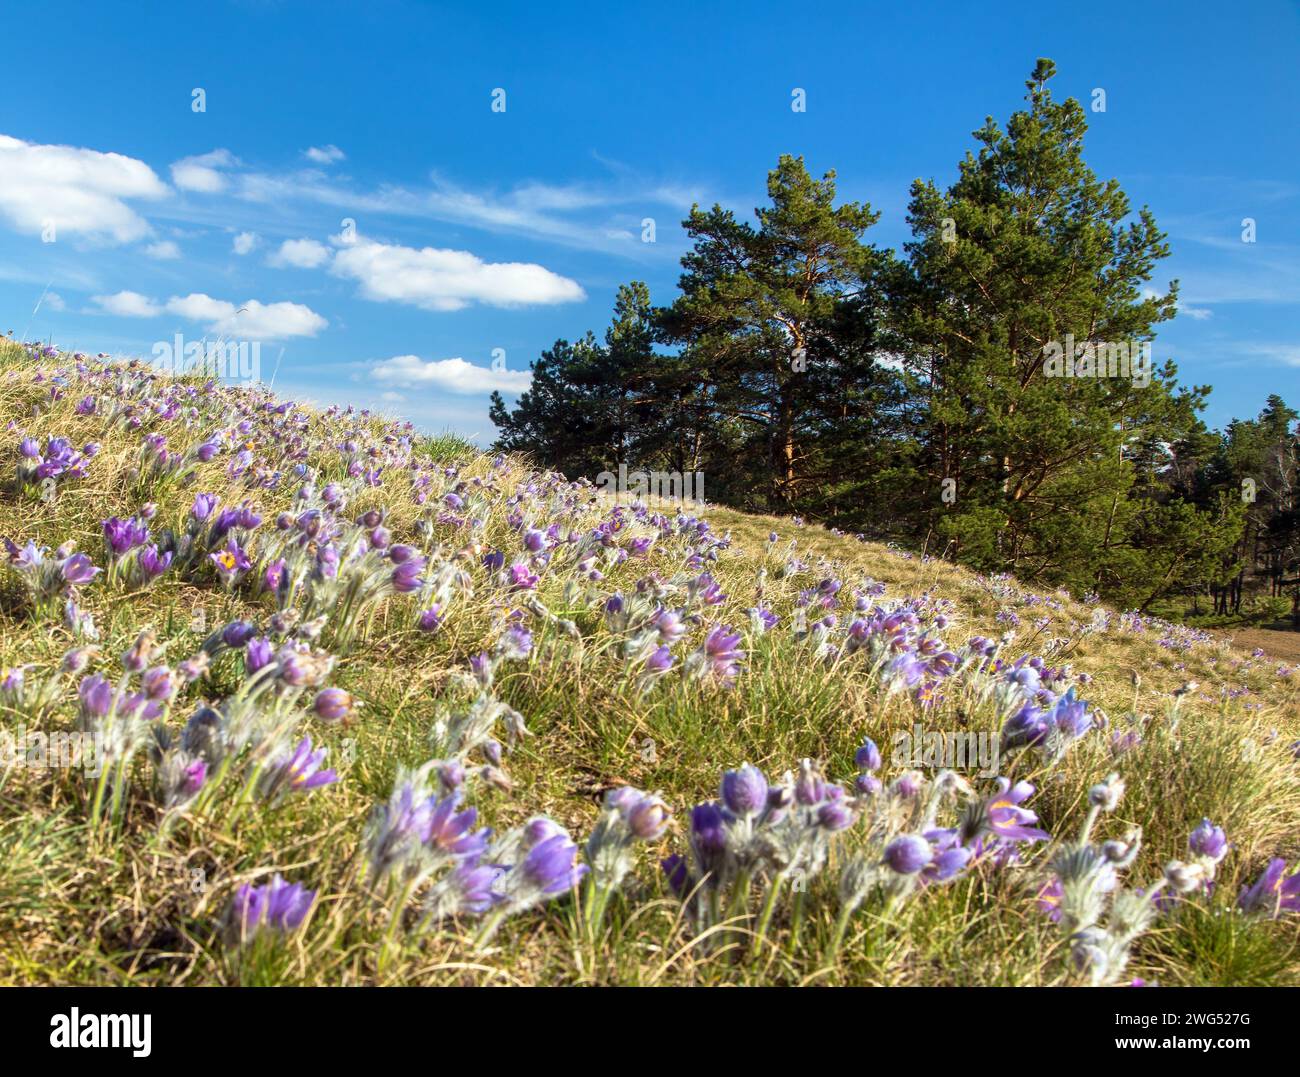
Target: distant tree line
(985, 395)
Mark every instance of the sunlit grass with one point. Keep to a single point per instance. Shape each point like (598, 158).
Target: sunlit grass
(132, 907)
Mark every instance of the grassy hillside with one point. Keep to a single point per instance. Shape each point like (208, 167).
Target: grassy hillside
(400, 600)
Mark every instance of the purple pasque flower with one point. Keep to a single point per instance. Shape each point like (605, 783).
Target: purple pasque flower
(466, 890)
(95, 694)
(296, 771)
(707, 590)
(722, 654)
(1000, 816)
(473, 884)
(834, 812)
(1024, 729)
(549, 865)
(539, 828)
(406, 572)
(259, 653)
(400, 553)
(237, 633)
(810, 788)
(629, 815)
(867, 784)
(334, 705)
(515, 643)
(708, 838)
(300, 667)
(277, 906)
(744, 791)
(191, 669)
(1273, 892)
(451, 774)
(158, 682)
(949, 861)
(451, 832)
(908, 854)
(1049, 898)
(153, 564)
(660, 660)
(142, 652)
(868, 757)
(1208, 840)
(481, 666)
(76, 660)
(77, 569)
(677, 872)
(122, 536)
(231, 561)
(646, 815)
(1069, 716)
(193, 777)
(520, 578)
(430, 620)
(273, 575)
(669, 625)
(905, 670)
(203, 507)
(399, 828)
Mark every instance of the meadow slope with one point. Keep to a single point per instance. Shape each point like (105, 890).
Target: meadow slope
(269, 573)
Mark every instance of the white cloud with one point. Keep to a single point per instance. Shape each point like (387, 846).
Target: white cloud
(251, 320)
(54, 301)
(454, 375)
(127, 305)
(1199, 314)
(302, 253)
(78, 191)
(245, 242)
(1285, 353)
(203, 173)
(324, 155)
(444, 280)
(164, 249)
(592, 216)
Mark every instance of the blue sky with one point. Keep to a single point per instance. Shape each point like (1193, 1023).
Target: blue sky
(481, 236)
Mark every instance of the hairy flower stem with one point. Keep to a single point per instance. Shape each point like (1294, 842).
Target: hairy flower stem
(97, 803)
(394, 919)
(740, 892)
(595, 902)
(769, 907)
(119, 787)
(1086, 832)
(837, 935)
(489, 928)
(796, 920)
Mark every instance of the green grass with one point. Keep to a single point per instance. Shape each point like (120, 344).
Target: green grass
(127, 905)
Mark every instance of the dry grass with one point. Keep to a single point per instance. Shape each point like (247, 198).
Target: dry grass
(126, 905)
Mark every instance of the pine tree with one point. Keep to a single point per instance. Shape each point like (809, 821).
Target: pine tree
(761, 319)
(1024, 264)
